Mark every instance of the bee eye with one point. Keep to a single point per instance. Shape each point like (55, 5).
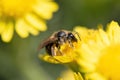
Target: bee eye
(70, 35)
(61, 34)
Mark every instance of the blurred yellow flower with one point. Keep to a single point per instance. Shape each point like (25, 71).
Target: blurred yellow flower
(100, 52)
(25, 16)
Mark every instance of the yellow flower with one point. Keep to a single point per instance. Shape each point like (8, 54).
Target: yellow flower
(99, 52)
(25, 16)
(96, 55)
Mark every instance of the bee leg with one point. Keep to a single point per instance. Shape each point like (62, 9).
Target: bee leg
(60, 52)
(53, 50)
(58, 47)
(70, 43)
(77, 35)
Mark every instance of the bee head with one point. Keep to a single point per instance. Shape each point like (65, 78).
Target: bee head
(71, 37)
(62, 37)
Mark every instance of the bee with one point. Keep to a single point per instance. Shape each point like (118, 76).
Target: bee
(57, 39)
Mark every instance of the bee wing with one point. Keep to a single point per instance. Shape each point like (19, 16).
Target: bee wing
(46, 42)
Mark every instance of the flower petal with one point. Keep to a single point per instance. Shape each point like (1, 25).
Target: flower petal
(104, 37)
(78, 76)
(114, 31)
(56, 59)
(36, 22)
(32, 30)
(45, 9)
(21, 29)
(94, 76)
(7, 34)
(48, 58)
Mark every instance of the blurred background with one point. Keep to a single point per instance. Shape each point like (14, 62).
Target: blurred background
(19, 58)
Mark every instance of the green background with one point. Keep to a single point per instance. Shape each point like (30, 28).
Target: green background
(19, 58)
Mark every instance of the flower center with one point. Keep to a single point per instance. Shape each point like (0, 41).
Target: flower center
(109, 62)
(15, 8)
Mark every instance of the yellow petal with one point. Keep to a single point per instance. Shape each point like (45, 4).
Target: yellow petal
(113, 31)
(78, 76)
(24, 29)
(94, 76)
(31, 29)
(104, 37)
(21, 29)
(86, 52)
(7, 34)
(80, 29)
(86, 66)
(36, 22)
(48, 58)
(45, 9)
(56, 59)
(63, 59)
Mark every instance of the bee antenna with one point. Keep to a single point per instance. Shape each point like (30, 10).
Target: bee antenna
(77, 34)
